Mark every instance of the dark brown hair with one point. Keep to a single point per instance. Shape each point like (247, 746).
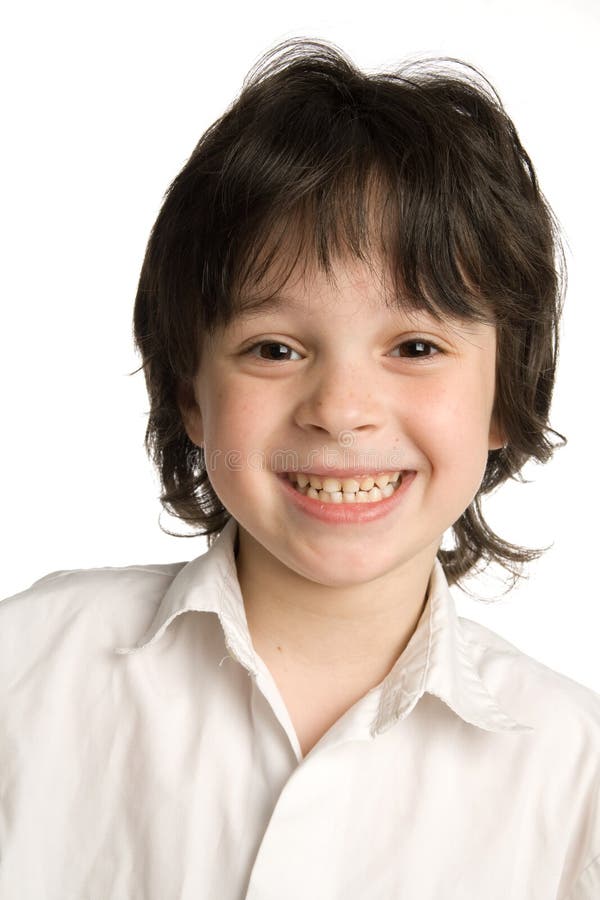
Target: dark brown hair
(316, 159)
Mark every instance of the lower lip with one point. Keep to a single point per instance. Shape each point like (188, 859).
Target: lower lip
(347, 513)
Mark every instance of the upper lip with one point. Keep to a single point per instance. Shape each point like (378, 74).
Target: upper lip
(343, 473)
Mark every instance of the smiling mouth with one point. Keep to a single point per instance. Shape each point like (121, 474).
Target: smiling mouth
(364, 489)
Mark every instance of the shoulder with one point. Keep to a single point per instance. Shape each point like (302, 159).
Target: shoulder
(562, 752)
(80, 588)
(542, 696)
(100, 607)
(564, 713)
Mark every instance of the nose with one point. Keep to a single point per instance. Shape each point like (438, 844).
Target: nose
(341, 398)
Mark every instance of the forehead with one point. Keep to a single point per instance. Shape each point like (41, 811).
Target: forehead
(343, 291)
(306, 286)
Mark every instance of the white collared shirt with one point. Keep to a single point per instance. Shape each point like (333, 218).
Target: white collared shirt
(146, 754)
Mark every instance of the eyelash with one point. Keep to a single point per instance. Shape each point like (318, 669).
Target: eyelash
(249, 350)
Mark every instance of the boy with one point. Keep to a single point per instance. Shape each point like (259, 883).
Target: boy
(348, 318)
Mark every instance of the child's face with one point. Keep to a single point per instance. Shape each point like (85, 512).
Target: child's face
(340, 392)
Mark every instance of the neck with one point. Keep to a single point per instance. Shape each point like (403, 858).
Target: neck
(355, 631)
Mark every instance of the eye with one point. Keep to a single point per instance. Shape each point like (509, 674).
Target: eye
(274, 350)
(420, 347)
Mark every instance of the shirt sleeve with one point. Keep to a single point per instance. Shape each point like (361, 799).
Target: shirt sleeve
(588, 883)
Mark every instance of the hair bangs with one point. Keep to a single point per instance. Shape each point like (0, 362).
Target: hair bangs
(363, 213)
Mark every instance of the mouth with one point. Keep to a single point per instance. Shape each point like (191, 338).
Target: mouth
(358, 489)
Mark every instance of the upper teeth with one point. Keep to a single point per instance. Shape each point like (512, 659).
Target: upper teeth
(348, 485)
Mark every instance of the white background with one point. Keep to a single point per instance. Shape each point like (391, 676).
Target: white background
(103, 104)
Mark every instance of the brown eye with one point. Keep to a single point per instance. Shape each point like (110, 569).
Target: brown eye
(418, 349)
(274, 351)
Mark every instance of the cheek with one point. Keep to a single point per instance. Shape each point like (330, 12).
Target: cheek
(234, 421)
(454, 433)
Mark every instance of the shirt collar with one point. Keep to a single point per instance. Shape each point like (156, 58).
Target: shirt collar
(438, 659)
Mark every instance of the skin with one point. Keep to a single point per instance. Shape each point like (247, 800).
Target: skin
(331, 607)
